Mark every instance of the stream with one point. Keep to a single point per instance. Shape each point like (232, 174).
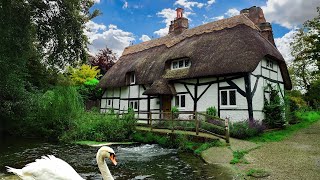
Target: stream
(144, 161)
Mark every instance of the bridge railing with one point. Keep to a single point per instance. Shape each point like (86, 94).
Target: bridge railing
(187, 121)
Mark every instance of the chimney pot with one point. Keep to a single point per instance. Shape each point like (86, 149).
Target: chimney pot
(179, 12)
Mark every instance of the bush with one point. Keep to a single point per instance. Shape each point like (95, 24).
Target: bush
(101, 127)
(53, 112)
(211, 111)
(274, 110)
(175, 112)
(243, 130)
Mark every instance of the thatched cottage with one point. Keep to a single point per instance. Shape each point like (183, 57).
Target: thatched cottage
(226, 64)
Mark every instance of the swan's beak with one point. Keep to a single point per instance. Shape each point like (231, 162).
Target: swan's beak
(113, 159)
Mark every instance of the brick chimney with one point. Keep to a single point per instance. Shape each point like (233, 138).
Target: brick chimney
(179, 24)
(255, 14)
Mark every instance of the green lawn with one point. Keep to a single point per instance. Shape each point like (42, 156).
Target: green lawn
(306, 118)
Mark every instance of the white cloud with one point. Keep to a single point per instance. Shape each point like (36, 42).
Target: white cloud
(168, 14)
(189, 4)
(125, 5)
(283, 45)
(290, 13)
(210, 2)
(232, 12)
(145, 38)
(112, 37)
(216, 18)
(96, 1)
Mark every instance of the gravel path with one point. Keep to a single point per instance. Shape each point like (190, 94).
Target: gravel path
(297, 157)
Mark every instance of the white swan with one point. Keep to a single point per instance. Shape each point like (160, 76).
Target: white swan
(52, 168)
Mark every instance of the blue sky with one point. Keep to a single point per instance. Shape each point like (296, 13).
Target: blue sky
(124, 22)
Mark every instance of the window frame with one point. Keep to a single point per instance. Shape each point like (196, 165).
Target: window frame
(228, 98)
(109, 102)
(133, 107)
(179, 103)
(177, 62)
(132, 78)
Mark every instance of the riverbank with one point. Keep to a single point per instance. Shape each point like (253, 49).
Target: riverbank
(296, 157)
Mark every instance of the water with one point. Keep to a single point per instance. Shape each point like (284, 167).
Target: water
(134, 161)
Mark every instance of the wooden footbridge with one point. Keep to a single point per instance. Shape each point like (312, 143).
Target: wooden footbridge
(188, 123)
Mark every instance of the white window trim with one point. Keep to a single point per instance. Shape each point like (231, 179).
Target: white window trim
(134, 101)
(184, 62)
(228, 99)
(179, 107)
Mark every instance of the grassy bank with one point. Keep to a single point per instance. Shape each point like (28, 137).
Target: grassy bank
(305, 118)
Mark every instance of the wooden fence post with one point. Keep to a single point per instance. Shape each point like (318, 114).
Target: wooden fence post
(197, 122)
(150, 115)
(172, 128)
(227, 131)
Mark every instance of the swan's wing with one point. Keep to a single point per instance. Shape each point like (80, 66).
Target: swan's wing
(48, 168)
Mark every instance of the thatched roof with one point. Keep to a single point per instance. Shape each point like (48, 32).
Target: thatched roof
(162, 87)
(224, 47)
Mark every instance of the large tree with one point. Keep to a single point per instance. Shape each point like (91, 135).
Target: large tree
(306, 51)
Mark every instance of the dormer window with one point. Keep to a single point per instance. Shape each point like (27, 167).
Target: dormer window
(180, 64)
(132, 78)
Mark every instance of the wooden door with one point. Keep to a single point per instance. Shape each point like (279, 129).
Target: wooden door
(166, 106)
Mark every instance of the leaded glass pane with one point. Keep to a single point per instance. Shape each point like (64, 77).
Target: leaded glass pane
(183, 101)
(175, 65)
(232, 96)
(186, 63)
(177, 101)
(180, 64)
(224, 97)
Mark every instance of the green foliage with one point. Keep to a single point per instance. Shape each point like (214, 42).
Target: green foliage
(313, 95)
(95, 126)
(54, 112)
(212, 111)
(84, 74)
(273, 109)
(242, 129)
(60, 30)
(306, 53)
(175, 112)
(305, 118)
(238, 157)
(257, 173)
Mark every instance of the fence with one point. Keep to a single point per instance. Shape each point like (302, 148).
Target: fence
(187, 121)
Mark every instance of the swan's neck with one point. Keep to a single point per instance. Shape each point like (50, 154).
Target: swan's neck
(105, 172)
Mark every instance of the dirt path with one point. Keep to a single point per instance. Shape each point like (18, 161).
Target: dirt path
(297, 157)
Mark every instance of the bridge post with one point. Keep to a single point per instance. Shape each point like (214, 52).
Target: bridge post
(172, 128)
(150, 116)
(197, 122)
(227, 131)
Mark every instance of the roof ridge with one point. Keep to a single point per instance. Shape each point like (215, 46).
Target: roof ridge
(171, 40)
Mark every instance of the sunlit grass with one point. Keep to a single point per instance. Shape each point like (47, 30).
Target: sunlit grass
(306, 119)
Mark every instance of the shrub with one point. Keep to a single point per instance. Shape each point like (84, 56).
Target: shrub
(273, 110)
(54, 112)
(175, 112)
(243, 130)
(211, 111)
(101, 127)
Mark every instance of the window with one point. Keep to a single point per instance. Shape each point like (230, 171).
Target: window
(228, 97)
(180, 101)
(133, 105)
(269, 64)
(109, 102)
(180, 64)
(132, 78)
